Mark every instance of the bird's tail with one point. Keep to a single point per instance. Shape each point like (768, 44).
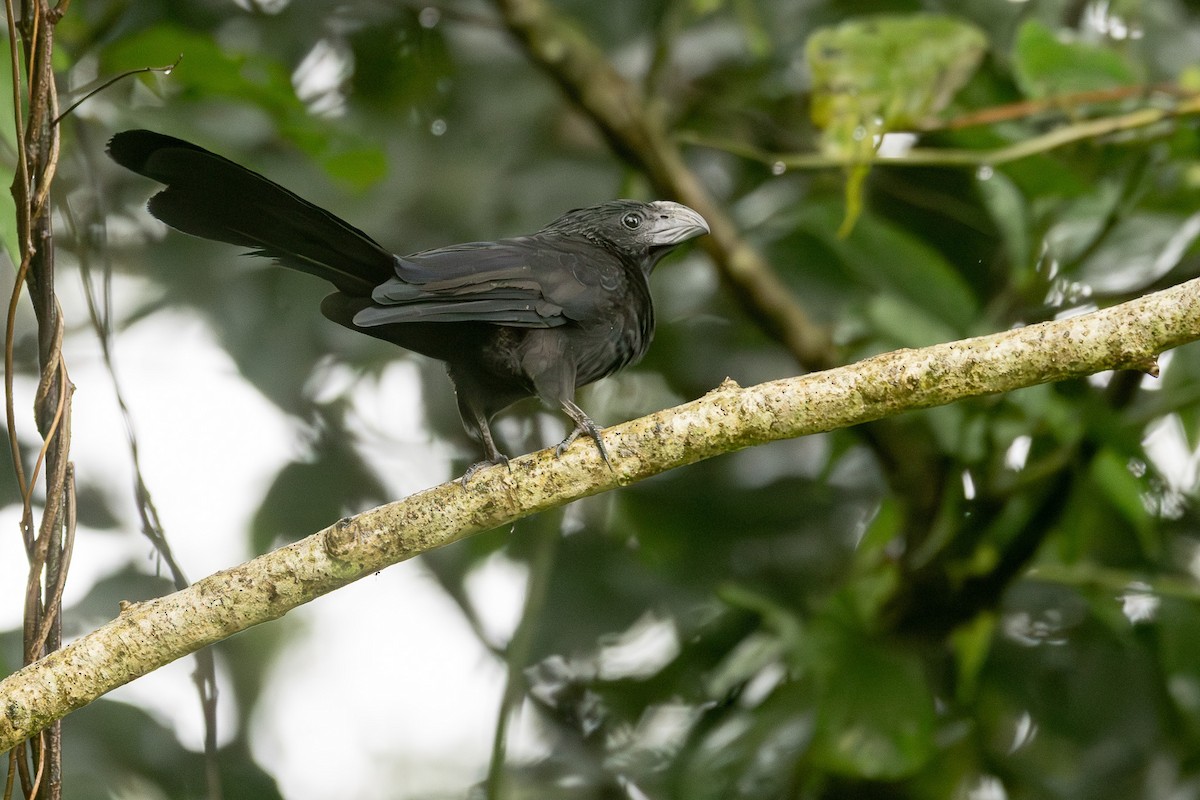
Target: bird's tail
(214, 198)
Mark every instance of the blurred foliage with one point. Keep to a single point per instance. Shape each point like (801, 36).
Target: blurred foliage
(877, 74)
(998, 599)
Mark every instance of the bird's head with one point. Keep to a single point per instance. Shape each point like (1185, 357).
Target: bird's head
(642, 232)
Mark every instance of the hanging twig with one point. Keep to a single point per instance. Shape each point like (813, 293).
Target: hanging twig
(166, 70)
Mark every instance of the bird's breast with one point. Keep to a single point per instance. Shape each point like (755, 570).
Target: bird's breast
(615, 340)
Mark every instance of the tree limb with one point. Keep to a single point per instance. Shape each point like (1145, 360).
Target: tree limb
(148, 635)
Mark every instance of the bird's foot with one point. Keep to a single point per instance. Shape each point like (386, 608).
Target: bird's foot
(490, 461)
(585, 425)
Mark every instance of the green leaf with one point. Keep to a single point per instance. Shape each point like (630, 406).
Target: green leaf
(360, 167)
(1008, 208)
(880, 74)
(8, 207)
(972, 643)
(875, 713)
(205, 69)
(900, 321)
(898, 70)
(751, 754)
(1123, 490)
(1045, 66)
(1140, 249)
(887, 258)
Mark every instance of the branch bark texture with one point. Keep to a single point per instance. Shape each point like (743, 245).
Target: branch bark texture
(148, 635)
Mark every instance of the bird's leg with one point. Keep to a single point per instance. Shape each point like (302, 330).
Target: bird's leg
(583, 424)
(549, 360)
(476, 423)
(492, 455)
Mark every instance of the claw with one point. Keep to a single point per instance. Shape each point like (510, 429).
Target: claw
(497, 458)
(583, 423)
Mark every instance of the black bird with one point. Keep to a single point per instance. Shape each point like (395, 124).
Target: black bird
(532, 315)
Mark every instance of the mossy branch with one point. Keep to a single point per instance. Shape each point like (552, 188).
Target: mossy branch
(145, 636)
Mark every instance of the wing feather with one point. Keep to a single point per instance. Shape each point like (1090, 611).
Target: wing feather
(525, 282)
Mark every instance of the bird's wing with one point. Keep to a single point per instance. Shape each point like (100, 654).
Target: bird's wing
(525, 282)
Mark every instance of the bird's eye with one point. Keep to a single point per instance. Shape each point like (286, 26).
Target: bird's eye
(631, 221)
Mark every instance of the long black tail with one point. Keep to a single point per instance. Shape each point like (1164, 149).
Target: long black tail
(212, 197)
